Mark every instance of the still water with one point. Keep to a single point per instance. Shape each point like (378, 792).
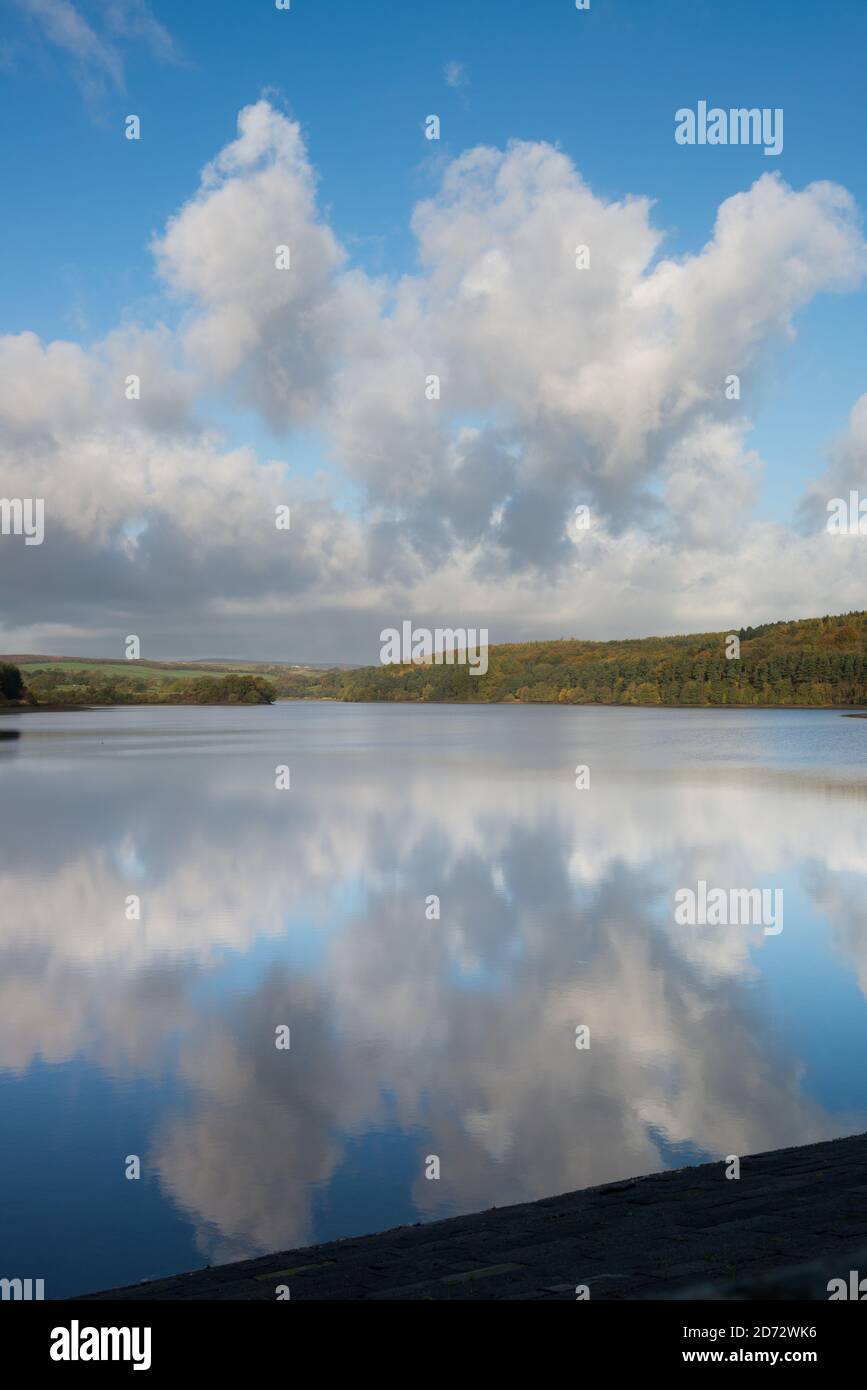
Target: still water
(410, 1036)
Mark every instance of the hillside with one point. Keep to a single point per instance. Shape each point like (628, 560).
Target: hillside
(64, 682)
(812, 661)
(53, 680)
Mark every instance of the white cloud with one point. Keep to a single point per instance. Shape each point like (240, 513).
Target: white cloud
(96, 57)
(67, 29)
(846, 470)
(133, 19)
(559, 386)
(278, 329)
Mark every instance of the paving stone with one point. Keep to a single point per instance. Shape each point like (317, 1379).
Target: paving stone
(650, 1236)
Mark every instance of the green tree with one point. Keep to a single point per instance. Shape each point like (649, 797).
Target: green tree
(11, 682)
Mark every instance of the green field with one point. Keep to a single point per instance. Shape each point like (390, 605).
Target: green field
(63, 682)
(128, 669)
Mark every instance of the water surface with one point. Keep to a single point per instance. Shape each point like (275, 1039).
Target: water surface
(410, 1036)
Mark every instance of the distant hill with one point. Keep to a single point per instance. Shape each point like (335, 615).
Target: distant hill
(811, 661)
(63, 681)
(30, 661)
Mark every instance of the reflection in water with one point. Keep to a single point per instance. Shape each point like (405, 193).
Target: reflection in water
(409, 1036)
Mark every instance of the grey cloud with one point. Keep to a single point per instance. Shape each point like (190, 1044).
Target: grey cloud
(559, 387)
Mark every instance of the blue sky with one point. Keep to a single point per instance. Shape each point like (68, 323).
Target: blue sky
(83, 204)
(360, 78)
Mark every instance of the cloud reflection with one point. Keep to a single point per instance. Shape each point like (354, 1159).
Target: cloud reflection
(308, 909)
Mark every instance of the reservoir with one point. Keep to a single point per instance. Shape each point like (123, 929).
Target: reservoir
(413, 1036)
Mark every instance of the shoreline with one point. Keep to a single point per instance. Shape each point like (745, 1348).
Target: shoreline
(848, 711)
(658, 1236)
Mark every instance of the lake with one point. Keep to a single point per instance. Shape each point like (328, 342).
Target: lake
(411, 1036)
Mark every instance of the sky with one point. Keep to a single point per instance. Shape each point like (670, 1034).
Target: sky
(409, 258)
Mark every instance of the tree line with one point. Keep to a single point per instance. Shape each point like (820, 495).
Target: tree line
(89, 686)
(812, 662)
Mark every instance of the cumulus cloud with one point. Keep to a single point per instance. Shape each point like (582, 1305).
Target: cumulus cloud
(276, 330)
(470, 406)
(600, 378)
(846, 472)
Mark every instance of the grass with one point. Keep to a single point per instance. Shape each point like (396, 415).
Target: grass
(125, 668)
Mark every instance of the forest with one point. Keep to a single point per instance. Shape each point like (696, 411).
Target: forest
(816, 662)
(813, 661)
(93, 686)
